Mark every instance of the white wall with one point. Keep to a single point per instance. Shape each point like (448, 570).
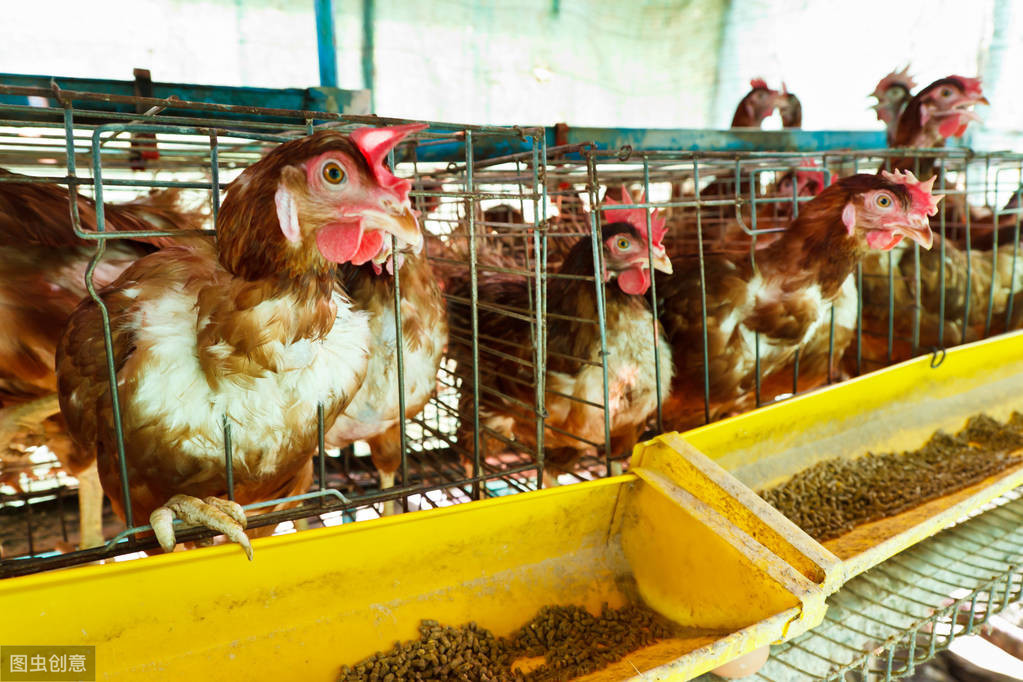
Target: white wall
(643, 63)
(222, 42)
(593, 62)
(831, 53)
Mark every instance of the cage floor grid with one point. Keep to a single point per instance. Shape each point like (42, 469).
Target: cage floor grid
(43, 519)
(885, 622)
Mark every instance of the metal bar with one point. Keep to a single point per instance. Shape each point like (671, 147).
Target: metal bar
(967, 299)
(228, 458)
(108, 343)
(703, 299)
(891, 307)
(859, 318)
(831, 344)
(474, 315)
(368, 50)
(400, 359)
(326, 43)
(596, 245)
(795, 372)
(917, 307)
(941, 271)
(321, 450)
(214, 175)
(540, 236)
(656, 326)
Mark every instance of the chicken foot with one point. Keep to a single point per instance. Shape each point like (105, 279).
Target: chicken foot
(214, 513)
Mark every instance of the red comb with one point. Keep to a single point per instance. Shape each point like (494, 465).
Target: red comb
(758, 83)
(894, 78)
(375, 144)
(924, 203)
(636, 217)
(970, 85)
(808, 175)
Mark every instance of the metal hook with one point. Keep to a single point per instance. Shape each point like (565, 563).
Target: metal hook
(625, 152)
(937, 357)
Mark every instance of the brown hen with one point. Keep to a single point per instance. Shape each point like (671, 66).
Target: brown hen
(42, 278)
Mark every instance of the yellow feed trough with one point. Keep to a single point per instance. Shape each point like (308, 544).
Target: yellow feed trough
(680, 533)
(313, 601)
(892, 410)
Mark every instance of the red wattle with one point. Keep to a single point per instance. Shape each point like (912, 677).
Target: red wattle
(368, 247)
(883, 240)
(949, 126)
(634, 281)
(339, 242)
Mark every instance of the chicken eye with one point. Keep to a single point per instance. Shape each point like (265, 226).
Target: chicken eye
(883, 200)
(946, 92)
(623, 244)
(333, 173)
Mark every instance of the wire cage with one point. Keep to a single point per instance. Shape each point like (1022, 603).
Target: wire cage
(885, 623)
(530, 386)
(67, 140)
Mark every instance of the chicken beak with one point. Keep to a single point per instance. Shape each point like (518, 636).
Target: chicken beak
(919, 230)
(662, 263)
(983, 100)
(405, 227)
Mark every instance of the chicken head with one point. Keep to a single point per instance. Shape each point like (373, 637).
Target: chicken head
(311, 203)
(950, 102)
(627, 244)
(896, 206)
(893, 92)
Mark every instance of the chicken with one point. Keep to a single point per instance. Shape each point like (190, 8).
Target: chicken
(723, 232)
(945, 108)
(941, 110)
(254, 333)
(374, 411)
(787, 299)
(574, 378)
(42, 278)
(967, 284)
(893, 93)
(808, 179)
(758, 104)
(790, 108)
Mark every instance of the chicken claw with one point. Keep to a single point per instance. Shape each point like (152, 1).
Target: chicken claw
(214, 513)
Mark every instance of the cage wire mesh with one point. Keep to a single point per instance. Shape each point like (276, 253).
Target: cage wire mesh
(884, 623)
(510, 226)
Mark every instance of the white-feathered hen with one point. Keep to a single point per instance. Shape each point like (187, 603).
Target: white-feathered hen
(256, 331)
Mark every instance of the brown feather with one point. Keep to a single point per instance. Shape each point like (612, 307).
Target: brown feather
(815, 251)
(507, 355)
(236, 342)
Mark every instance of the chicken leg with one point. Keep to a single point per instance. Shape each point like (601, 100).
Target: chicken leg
(213, 512)
(28, 422)
(385, 450)
(90, 508)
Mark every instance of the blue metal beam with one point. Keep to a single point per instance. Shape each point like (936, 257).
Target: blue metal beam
(488, 145)
(368, 47)
(734, 140)
(303, 99)
(326, 43)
